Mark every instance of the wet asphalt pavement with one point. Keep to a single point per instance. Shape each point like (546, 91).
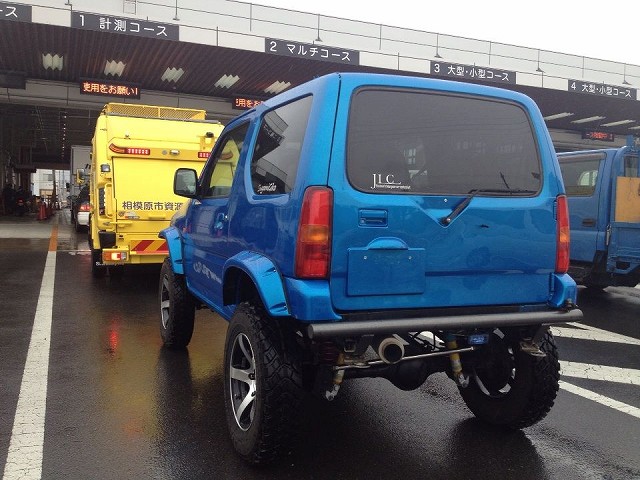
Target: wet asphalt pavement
(119, 406)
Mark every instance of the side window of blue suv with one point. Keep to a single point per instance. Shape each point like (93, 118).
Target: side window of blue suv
(277, 153)
(223, 167)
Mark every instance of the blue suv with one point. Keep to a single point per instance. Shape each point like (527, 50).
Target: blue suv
(364, 225)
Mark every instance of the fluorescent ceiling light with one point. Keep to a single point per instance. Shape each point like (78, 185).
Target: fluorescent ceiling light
(614, 124)
(637, 127)
(172, 74)
(114, 68)
(558, 115)
(277, 87)
(588, 119)
(227, 81)
(53, 62)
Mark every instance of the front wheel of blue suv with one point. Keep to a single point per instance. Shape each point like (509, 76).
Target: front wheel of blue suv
(177, 308)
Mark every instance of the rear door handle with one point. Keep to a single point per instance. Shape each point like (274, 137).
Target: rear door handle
(589, 222)
(372, 218)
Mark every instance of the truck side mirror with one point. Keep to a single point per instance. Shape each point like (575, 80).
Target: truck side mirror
(80, 176)
(185, 182)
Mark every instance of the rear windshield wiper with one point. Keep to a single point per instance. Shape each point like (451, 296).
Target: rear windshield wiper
(472, 193)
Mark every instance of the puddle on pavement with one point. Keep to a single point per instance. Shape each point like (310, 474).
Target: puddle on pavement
(24, 244)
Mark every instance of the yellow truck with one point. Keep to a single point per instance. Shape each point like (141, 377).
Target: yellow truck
(135, 151)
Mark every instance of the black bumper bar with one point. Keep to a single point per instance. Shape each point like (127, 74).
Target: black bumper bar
(404, 325)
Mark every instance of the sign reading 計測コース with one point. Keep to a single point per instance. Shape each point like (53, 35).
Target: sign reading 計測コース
(312, 51)
(129, 26)
(14, 12)
(471, 72)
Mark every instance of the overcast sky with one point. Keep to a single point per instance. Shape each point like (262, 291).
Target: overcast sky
(608, 30)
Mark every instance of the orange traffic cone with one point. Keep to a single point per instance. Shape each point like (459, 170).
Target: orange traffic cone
(42, 213)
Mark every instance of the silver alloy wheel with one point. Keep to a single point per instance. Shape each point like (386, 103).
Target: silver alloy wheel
(165, 302)
(242, 378)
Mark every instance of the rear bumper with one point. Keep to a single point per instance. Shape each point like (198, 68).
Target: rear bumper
(82, 218)
(404, 325)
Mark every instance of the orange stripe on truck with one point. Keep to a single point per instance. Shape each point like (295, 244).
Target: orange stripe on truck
(149, 247)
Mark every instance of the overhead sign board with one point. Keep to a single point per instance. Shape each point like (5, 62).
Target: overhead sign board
(602, 136)
(13, 80)
(111, 89)
(245, 103)
(311, 51)
(14, 12)
(128, 26)
(472, 72)
(602, 89)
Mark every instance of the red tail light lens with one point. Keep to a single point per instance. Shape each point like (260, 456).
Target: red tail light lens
(84, 207)
(313, 245)
(562, 252)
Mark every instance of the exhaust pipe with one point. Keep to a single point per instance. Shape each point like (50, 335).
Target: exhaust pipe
(391, 350)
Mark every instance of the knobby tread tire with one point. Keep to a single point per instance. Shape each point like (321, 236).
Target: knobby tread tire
(179, 326)
(532, 396)
(280, 386)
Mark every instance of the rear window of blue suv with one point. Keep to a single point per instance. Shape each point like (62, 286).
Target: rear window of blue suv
(406, 141)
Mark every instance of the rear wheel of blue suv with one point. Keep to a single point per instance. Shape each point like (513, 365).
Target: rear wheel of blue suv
(263, 384)
(362, 226)
(512, 386)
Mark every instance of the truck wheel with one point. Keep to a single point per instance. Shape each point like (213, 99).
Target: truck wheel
(511, 388)
(98, 271)
(177, 308)
(263, 384)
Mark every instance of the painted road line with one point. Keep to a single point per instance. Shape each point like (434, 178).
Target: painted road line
(596, 397)
(604, 373)
(585, 332)
(24, 459)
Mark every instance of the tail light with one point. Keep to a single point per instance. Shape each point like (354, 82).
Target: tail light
(129, 150)
(101, 201)
(84, 207)
(562, 234)
(313, 245)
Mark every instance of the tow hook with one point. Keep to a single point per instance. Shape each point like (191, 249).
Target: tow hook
(461, 379)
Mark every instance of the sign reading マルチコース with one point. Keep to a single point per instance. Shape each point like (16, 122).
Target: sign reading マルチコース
(129, 26)
(311, 51)
(15, 12)
(602, 90)
(471, 72)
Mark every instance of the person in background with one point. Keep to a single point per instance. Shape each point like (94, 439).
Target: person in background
(8, 198)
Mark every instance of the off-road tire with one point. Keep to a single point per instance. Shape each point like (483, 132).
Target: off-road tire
(532, 390)
(98, 271)
(265, 357)
(177, 308)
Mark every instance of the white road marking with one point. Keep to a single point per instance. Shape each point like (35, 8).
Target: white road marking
(604, 373)
(596, 397)
(24, 460)
(597, 372)
(585, 332)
